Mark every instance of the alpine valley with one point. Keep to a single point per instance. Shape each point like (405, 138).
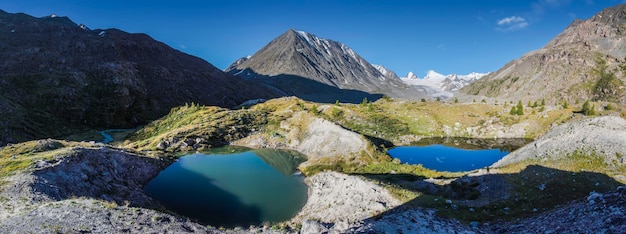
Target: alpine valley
(321, 115)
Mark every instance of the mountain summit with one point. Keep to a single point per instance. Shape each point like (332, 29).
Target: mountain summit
(298, 57)
(584, 62)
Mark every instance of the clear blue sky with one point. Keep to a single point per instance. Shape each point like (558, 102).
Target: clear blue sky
(448, 36)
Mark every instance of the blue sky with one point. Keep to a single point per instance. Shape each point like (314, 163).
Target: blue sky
(448, 36)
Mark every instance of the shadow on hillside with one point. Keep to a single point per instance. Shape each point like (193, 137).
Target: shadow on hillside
(491, 197)
(310, 90)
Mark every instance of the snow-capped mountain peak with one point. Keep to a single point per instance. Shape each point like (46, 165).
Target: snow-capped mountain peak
(433, 75)
(444, 83)
(411, 75)
(386, 72)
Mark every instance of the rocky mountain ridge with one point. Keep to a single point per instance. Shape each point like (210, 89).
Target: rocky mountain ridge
(58, 76)
(568, 68)
(298, 57)
(385, 71)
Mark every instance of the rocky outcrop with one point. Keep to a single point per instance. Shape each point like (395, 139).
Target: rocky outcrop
(338, 202)
(604, 136)
(313, 136)
(100, 173)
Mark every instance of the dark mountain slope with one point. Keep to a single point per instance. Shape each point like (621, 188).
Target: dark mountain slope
(57, 75)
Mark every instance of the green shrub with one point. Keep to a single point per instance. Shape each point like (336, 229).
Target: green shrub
(589, 109)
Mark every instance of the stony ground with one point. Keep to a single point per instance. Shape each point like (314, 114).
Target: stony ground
(606, 136)
(598, 213)
(98, 189)
(313, 136)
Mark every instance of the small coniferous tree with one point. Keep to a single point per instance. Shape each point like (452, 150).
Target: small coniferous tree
(364, 102)
(520, 108)
(543, 102)
(456, 100)
(565, 105)
(589, 109)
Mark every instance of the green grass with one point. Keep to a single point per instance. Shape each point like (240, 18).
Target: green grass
(216, 125)
(22, 156)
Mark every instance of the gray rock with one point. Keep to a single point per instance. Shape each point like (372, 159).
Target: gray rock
(313, 227)
(606, 137)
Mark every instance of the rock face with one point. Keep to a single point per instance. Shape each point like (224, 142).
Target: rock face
(298, 58)
(103, 173)
(606, 136)
(563, 69)
(385, 71)
(56, 74)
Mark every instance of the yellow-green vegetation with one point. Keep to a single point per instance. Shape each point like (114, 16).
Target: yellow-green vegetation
(19, 157)
(607, 87)
(215, 126)
(383, 122)
(390, 120)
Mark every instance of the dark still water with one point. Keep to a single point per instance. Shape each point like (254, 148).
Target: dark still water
(234, 189)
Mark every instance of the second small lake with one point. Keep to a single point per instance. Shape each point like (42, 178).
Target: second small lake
(233, 187)
(455, 154)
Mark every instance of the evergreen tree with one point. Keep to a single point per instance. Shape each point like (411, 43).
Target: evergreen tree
(589, 109)
(520, 108)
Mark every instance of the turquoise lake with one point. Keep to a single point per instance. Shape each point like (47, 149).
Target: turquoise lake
(233, 187)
